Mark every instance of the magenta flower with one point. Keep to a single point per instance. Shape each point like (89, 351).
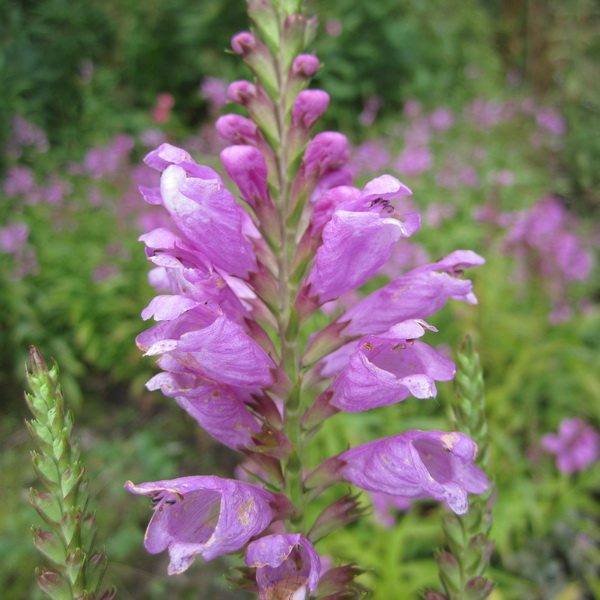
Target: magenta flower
(204, 339)
(418, 464)
(576, 445)
(326, 151)
(221, 410)
(202, 209)
(306, 65)
(206, 516)
(287, 566)
(183, 270)
(359, 238)
(415, 295)
(387, 369)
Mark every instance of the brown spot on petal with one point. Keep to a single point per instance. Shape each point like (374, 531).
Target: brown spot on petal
(449, 439)
(244, 511)
(368, 346)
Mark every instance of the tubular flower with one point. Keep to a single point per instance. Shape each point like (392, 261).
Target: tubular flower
(287, 566)
(387, 369)
(206, 516)
(418, 464)
(202, 209)
(415, 295)
(181, 269)
(359, 238)
(221, 410)
(204, 339)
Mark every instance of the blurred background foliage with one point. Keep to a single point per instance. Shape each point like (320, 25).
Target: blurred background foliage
(81, 82)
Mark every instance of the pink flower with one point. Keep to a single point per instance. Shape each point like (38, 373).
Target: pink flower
(418, 464)
(206, 516)
(359, 238)
(413, 161)
(394, 364)
(162, 109)
(415, 295)
(203, 210)
(214, 91)
(287, 566)
(13, 238)
(576, 445)
(441, 119)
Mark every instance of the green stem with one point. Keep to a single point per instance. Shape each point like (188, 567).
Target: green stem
(290, 356)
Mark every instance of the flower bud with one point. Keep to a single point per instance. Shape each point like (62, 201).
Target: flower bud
(243, 43)
(339, 583)
(247, 167)
(237, 129)
(286, 565)
(305, 65)
(478, 588)
(53, 584)
(309, 105)
(258, 57)
(50, 545)
(344, 511)
(241, 92)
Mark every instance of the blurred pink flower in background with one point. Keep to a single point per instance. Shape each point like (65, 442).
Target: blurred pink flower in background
(441, 119)
(504, 178)
(576, 445)
(214, 91)
(413, 161)
(386, 507)
(369, 158)
(19, 181)
(162, 109)
(13, 237)
(25, 134)
(369, 113)
(551, 120)
(412, 109)
(334, 27)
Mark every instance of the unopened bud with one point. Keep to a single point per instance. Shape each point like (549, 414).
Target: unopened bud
(308, 106)
(237, 129)
(241, 91)
(305, 65)
(243, 43)
(339, 514)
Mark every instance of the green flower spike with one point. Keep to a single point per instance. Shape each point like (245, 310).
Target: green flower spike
(468, 549)
(76, 569)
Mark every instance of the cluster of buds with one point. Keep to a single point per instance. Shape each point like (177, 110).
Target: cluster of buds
(235, 334)
(76, 567)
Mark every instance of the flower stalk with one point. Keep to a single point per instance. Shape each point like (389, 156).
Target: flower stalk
(76, 566)
(232, 274)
